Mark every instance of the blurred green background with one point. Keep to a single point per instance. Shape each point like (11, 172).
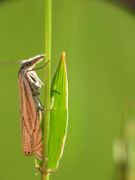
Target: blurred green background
(99, 41)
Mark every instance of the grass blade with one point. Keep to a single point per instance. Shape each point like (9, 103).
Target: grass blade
(58, 117)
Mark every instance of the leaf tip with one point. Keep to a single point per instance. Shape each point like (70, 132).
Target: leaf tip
(63, 57)
(63, 60)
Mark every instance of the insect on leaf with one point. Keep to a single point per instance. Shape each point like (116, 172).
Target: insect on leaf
(59, 116)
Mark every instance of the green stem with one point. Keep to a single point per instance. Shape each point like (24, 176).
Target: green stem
(46, 124)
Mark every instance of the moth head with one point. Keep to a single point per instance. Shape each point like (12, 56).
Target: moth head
(30, 63)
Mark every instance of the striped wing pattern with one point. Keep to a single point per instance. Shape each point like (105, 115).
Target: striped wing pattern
(31, 131)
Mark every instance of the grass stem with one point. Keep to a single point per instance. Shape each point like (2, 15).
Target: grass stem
(46, 123)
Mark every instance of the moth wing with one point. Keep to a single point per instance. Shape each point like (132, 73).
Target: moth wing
(37, 134)
(37, 141)
(31, 132)
(25, 116)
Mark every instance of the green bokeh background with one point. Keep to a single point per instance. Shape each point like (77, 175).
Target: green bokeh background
(99, 41)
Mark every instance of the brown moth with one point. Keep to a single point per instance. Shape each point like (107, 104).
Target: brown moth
(30, 107)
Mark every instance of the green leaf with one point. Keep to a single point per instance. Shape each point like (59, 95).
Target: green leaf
(59, 116)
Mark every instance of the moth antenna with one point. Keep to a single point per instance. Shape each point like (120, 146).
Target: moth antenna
(8, 63)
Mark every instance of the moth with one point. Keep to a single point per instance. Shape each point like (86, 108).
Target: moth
(31, 108)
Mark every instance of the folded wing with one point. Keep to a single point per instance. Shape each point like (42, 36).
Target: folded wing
(31, 131)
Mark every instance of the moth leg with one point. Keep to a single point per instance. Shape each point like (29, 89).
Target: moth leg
(45, 172)
(36, 93)
(37, 167)
(51, 107)
(40, 106)
(48, 171)
(41, 67)
(43, 109)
